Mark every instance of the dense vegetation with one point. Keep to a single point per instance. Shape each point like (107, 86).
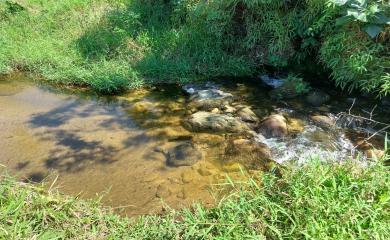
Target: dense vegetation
(318, 201)
(119, 44)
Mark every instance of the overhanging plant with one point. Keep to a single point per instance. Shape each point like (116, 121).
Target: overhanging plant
(371, 14)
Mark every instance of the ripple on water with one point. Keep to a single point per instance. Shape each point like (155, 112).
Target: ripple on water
(312, 143)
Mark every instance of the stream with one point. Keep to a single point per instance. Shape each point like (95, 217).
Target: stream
(140, 152)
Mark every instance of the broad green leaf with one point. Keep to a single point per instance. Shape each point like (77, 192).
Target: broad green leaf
(373, 30)
(340, 2)
(380, 19)
(343, 20)
(361, 3)
(374, 8)
(361, 16)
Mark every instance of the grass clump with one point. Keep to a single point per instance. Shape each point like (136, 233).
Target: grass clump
(317, 201)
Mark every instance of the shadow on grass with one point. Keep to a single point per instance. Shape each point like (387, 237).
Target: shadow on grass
(144, 35)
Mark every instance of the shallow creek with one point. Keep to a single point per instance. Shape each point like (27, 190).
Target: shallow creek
(117, 146)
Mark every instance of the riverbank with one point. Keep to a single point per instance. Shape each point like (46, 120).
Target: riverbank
(317, 201)
(112, 46)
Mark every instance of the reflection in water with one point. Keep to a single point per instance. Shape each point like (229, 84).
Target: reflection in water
(122, 145)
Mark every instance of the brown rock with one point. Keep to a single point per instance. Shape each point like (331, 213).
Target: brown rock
(246, 145)
(322, 120)
(374, 153)
(247, 115)
(274, 126)
(295, 125)
(251, 154)
(185, 154)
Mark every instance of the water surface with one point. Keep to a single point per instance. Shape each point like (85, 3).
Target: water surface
(108, 145)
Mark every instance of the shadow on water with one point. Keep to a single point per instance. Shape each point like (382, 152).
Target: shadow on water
(74, 149)
(22, 165)
(35, 177)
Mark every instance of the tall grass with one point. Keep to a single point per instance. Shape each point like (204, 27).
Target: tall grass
(317, 201)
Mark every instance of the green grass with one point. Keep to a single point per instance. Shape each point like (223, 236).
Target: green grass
(109, 46)
(317, 201)
(114, 45)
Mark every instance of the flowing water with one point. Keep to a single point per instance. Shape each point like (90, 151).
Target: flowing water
(112, 145)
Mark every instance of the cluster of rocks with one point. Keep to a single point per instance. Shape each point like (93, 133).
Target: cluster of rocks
(214, 111)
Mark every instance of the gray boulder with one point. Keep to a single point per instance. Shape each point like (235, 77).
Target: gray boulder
(210, 99)
(213, 122)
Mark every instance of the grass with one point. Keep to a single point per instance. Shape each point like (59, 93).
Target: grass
(114, 45)
(109, 46)
(317, 201)
(43, 38)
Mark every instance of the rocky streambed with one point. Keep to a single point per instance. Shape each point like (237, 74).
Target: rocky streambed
(169, 144)
(298, 129)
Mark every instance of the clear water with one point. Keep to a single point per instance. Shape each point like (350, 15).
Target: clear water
(107, 145)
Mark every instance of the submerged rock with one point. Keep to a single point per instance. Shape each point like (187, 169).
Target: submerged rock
(163, 191)
(295, 125)
(210, 99)
(286, 91)
(317, 98)
(183, 155)
(323, 121)
(274, 126)
(213, 122)
(245, 145)
(251, 154)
